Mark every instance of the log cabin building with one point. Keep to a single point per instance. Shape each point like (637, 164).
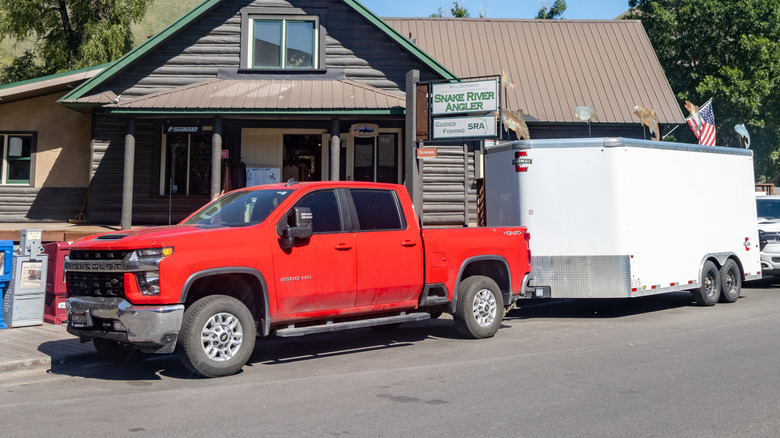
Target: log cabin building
(241, 92)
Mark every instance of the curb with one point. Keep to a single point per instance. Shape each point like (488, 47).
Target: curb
(45, 363)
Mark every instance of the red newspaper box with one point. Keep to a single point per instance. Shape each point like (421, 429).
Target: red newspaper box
(54, 311)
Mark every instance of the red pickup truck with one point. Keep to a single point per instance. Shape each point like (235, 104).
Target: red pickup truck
(287, 260)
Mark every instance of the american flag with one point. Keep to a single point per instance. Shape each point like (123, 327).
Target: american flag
(706, 134)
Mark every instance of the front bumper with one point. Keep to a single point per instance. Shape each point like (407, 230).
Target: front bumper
(153, 329)
(770, 259)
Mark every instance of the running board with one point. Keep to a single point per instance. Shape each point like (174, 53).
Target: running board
(331, 326)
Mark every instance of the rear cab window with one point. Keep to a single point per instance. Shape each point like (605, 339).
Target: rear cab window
(377, 210)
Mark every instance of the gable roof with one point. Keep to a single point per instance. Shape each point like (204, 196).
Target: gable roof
(267, 96)
(554, 65)
(208, 5)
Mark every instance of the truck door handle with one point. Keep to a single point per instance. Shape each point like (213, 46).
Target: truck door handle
(343, 246)
(408, 243)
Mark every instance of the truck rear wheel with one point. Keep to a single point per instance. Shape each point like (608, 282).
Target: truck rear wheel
(480, 307)
(217, 336)
(708, 292)
(730, 282)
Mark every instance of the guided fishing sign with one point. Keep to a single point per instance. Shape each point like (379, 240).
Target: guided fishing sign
(460, 98)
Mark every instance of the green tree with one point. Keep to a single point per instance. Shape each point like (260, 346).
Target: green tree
(728, 50)
(67, 34)
(553, 12)
(457, 10)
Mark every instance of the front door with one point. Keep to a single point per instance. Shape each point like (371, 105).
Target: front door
(376, 158)
(317, 274)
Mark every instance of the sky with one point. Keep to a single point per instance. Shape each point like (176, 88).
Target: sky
(575, 9)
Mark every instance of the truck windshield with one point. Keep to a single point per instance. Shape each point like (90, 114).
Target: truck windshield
(239, 209)
(768, 208)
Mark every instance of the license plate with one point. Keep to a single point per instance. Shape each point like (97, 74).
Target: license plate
(78, 318)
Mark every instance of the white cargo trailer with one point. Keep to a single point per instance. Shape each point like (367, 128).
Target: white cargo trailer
(617, 217)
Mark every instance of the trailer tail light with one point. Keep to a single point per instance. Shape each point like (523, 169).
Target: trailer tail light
(747, 244)
(521, 161)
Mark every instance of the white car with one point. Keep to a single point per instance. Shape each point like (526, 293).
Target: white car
(768, 209)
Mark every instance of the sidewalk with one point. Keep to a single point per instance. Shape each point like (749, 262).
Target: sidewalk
(41, 347)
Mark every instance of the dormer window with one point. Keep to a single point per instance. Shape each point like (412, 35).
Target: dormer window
(283, 42)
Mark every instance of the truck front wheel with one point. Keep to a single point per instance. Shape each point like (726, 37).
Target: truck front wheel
(217, 336)
(480, 307)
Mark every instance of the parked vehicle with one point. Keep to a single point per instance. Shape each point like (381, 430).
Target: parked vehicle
(768, 209)
(286, 260)
(615, 217)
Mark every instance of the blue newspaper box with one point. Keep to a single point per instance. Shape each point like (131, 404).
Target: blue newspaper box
(6, 269)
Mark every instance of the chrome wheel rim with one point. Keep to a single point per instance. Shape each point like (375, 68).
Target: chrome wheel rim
(731, 282)
(221, 337)
(709, 285)
(485, 307)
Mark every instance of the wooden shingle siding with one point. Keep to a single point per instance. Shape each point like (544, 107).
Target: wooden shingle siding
(449, 189)
(199, 51)
(46, 204)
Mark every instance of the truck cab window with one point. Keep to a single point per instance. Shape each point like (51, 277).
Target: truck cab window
(377, 210)
(324, 207)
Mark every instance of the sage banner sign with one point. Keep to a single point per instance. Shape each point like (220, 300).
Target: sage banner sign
(464, 97)
(454, 127)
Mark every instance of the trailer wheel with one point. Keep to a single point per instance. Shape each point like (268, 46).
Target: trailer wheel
(709, 292)
(117, 352)
(480, 307)
(217, 336)
(730, 282)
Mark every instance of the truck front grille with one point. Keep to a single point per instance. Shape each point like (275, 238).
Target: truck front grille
(96, 284)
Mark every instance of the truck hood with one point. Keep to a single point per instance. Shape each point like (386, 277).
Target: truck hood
(146, 237)
(769, 225)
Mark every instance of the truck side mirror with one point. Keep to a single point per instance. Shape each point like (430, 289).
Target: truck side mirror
(299, 226)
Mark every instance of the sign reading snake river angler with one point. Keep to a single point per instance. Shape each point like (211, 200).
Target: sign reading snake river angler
(478, 99)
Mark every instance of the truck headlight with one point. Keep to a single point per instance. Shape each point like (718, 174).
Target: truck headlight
(146, 263)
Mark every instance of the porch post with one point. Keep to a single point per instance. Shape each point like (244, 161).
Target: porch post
(216, 157)
(335, 148)
(127, 180)
(411, 171)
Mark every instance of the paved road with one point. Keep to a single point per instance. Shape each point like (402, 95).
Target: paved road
(657, 366)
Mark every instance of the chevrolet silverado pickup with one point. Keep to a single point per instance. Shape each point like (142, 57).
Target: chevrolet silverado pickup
(286, 260)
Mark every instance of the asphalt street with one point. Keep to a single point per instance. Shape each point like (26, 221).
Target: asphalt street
(654, 366)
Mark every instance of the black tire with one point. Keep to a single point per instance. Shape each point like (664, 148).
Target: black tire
(708, 292)
(217, 336)
(480, 307)
(117, 352)
(730, 282)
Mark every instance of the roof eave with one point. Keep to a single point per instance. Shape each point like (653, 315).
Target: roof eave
(257, 111)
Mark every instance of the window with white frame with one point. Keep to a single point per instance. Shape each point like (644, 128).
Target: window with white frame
(283, 42)
(17, 158)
